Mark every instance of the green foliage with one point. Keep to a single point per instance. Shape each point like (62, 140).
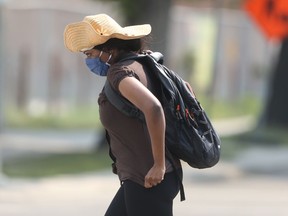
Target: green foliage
(56, 164)
(81, 117)
(128, 8)
(88, 117)
(216, 3)
(261, 136)
(219, 109)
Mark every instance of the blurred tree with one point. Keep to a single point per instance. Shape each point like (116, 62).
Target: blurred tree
(276, 110)
(154, 12)
(213, 3)
(23, 79)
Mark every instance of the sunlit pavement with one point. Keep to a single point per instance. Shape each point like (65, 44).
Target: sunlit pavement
(223, 190)
(253, 184)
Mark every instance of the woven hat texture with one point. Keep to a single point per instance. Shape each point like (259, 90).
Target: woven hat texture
(97, 29)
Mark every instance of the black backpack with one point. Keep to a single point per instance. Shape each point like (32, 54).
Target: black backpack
(189, 135)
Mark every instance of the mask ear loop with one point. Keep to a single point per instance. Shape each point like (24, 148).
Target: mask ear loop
(101, 52)
(110, 56)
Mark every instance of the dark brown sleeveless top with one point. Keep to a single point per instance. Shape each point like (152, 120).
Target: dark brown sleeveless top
(129, 137)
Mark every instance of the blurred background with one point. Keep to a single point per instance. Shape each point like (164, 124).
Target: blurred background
(234, 53)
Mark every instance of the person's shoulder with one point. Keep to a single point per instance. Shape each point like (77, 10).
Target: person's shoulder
(120, 70)
(129, 65)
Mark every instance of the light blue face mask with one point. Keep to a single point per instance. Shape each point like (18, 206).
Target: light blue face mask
(97, 66)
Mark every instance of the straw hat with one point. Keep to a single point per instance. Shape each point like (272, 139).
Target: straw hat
(97, 29)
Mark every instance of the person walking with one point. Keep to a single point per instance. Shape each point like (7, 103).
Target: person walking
(149, 182)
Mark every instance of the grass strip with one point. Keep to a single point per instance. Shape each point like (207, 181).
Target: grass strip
(56, 164)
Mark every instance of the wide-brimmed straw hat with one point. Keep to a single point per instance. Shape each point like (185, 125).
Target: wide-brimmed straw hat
(97, 29)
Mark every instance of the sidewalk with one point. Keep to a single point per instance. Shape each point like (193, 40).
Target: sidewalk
(15, 143)
(20, 143)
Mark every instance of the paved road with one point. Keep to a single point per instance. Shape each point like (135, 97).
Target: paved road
(253, 184)
(221, 191)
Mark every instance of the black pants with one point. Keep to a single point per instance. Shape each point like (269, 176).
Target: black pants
(133, 199)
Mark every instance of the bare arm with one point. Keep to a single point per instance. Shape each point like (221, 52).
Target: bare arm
(142, 98)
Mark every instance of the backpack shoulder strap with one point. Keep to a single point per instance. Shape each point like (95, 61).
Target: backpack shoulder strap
(121, 103)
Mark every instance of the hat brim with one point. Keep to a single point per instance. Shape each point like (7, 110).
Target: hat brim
(81, 36)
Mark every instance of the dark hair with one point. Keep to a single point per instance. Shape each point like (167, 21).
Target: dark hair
(134, 45)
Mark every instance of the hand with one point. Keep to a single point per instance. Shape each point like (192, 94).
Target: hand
(154, 176)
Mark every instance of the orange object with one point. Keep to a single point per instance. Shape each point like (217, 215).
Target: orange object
(270, 15)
